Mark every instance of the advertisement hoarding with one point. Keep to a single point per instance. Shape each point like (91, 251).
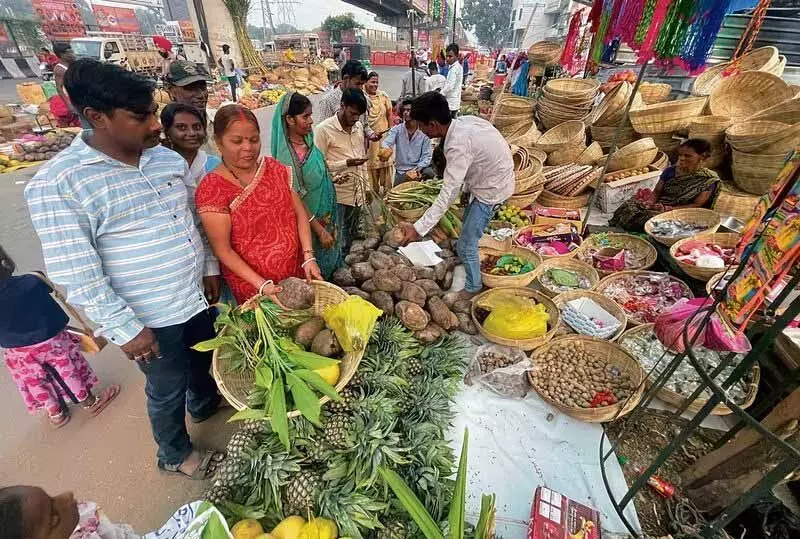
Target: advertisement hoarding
(116, 19)
(61, 19)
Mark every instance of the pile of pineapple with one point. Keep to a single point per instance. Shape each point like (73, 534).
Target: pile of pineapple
(394, 413)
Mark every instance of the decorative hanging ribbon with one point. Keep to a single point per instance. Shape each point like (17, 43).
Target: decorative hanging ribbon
(627, 22)
(700, 38)
(568, 54)
(660, 9)
(602, 30)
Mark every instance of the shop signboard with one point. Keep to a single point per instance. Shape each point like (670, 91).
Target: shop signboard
(61, 19)
(116, 19)
(171, 30)
(187, 30)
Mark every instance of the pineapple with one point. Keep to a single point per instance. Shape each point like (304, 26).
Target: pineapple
(317, 453)
(393, 529)
(256, 426)
(217, 494)
(348, 396)
(337, 430)
(240, 441)
(300, 493)
(414, 367)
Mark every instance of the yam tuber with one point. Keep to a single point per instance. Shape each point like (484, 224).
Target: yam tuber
(325, 344)
(386, 281)
(413, 293)
(381, 260)
(404, 273)
(382, 300)
(306, 332)
(362, 271)
(343, 277)
(441, 314)
(412, 315)
(295, 294)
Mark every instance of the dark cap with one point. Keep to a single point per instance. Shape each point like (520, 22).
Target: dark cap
(183, 73)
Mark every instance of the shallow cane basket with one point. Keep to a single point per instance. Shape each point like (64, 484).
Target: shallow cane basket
(405, 215)
(609, 305)
(642, 250)
(614, 277)
(572, 132)
(723, 239)
(523, 344)
(612, 355)
(495, 281)
(748, 93)
(734, 202)
(709, 219)
(235, 386)
(569, 264)
(677, 400)
(756, 173)
(666, 117)
(637, 154)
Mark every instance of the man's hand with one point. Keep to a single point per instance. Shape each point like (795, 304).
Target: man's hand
(355, 162)
(212, 286)
(325, 238)
(374, 137)
(409, 233)
(143, 348)
(412, 174)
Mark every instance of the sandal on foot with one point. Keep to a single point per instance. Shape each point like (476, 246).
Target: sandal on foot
(209, 461)
(59, 420)
(103, 400)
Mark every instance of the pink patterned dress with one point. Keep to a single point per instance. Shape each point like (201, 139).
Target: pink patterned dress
(46, 373)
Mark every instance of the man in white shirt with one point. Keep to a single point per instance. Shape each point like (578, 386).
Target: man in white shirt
(435, 82)
(455, 77)
(228, 69)
(479, 160)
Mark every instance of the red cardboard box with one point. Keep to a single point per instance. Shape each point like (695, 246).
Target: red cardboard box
(554, 516)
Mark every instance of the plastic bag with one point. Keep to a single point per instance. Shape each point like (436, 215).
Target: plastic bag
(510, 381)
(669, 324)
(517, 321)
(352, 321)
(722, 337)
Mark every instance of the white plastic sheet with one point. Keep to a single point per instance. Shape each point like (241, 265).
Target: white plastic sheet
(513, 449)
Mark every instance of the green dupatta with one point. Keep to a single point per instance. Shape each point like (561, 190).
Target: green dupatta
(312, 181)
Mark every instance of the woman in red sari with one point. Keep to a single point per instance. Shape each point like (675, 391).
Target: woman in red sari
(257, 226)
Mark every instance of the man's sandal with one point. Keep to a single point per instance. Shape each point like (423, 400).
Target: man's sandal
(102, 400)
(209, 461)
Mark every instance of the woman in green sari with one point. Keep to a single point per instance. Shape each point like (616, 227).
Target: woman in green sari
(293, 145)
(686, 185)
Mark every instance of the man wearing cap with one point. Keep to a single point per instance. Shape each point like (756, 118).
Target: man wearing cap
(187, 82)
(164, 47)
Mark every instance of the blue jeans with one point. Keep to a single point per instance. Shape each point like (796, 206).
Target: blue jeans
(476, 217)
(178, 381)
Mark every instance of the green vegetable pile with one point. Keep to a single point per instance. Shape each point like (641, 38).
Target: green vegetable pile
(507, 265)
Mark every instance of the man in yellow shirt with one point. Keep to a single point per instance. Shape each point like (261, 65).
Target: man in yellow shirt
(340, 138)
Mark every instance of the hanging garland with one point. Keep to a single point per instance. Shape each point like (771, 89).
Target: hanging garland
(627, 22)
(673, 31)
(646, 51)
(645, 21)
(568, 54)
(702, 34)
(602, 30)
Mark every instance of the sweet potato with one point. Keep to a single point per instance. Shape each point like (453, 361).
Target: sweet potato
(381, 260)
(305, 332)
(325, 344)
(412, 315)
(430, 287)
(462, 306)
(424, 272)
(441, 314)
(465, 324)
(447, 282)
(296, 294)
(386, 281)
(382, 300)
(368, 286)
(450, 298)
(362, 271)
(430, 334)
(355, 258)
(401, 260)
(343, 277)
(413, 293)
(355, 291)
(404, 273)
(394, 237)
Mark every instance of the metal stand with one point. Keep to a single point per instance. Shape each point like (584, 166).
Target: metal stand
(791, 455)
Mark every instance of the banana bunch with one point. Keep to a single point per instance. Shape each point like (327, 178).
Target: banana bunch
(272, 96)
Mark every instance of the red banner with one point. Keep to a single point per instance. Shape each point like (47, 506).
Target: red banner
(117, 19)
(61, 19)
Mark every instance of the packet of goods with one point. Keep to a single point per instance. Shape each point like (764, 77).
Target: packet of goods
(588, 318)
(554, 516)
(502, 369)
(513, 317)
(609, 259)
(352, 321)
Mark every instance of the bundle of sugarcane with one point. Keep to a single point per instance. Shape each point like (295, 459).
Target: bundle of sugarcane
(569, 180)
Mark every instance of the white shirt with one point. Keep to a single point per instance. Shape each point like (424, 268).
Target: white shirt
(435, 82)
(479, 159)
(227, 66)
(452, 86)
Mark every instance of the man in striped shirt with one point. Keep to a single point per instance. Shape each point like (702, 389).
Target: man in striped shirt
(117, 233)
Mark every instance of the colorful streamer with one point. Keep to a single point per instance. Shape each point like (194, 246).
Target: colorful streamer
(627, 23)
(568, 54)
(702, 34)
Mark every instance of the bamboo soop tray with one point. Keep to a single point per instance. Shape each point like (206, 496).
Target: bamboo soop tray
(235, 386)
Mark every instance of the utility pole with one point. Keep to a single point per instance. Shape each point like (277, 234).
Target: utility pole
(266, 13)
(413, 66)
(455, 10)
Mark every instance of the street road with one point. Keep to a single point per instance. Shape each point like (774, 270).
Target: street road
(109, 459)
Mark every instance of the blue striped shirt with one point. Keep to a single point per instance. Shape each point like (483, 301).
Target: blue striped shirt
(120, 239)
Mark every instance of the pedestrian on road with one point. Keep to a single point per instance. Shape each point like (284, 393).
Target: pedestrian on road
(257, 225)
(60, 105)
(455, 76)
(44, 360)
(117, 232)
(228, 70)
(435, 82)
(412, 149)
(479, 162)
(340, 138)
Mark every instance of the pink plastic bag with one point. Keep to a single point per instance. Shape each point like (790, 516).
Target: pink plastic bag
(722, 337)
(669, 324)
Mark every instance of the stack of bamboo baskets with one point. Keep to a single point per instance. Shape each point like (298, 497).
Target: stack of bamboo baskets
(566, 99)
(662, 121)
(563, 143)
(514, 115)
(606, 116)
(712, 129)
(759, 148)
(766, 59)
(529, 181)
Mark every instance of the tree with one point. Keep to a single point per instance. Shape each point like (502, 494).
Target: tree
(336, 25)
(489, 19)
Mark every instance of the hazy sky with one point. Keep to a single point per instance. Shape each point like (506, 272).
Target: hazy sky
(310, 13)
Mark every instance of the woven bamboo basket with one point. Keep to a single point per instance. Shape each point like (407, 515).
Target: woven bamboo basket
(612, 355)
(667, 116)
(496, 281)
(604, 136)
(666, 142)
(734, 202)
(653, 92)
(573, 87)
(544, 257)
(779, 68)
(523, 344)
(506, 120)
(723, 239)
(571, 132)
(756, 173)
(709, 219)
(762, 136)
(661, 161)
(642, 250)
(677, 400)
(570, 100)
(235, 386)
(535, 153)
(519, 154)
(610, 306)
(637, 154)
(528, 139)
(748, 93)
(552, 200)
(712, 282)
(795, 88)
(545, 52)
(786, 112)
(705, 83)
(567, 154)
(526, 184)
(405, 215)
(514, 131)
(760, 59)
(613, 118)
(513, 105)
(613, 102)
(709, 126)
(524, 199)
(569, 264)
(590, 155)
(613, 278)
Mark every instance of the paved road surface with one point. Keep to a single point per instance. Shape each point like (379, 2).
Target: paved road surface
(109, 459)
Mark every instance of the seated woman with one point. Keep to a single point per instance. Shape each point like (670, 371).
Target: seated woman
(687, 184)
(293, 145)
(256, 224)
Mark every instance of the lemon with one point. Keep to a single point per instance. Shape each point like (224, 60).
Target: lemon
(247, 529)
(329, 374)
(319, 528)
(266, 536)
(289, 528)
